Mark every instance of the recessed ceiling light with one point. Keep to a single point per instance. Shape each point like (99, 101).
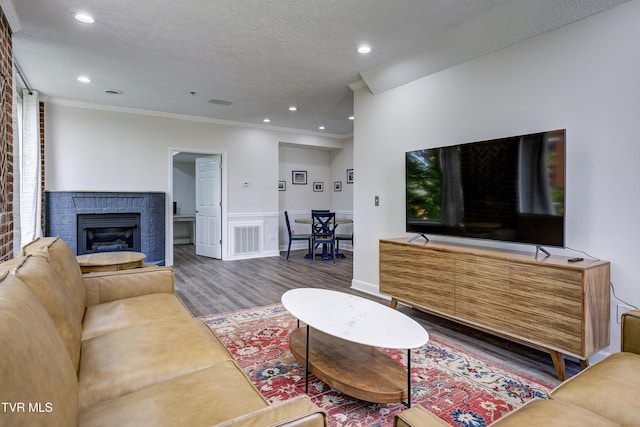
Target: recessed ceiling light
(84, 79)
(364, 48)
(352, 118)
(266, 120)
(86, 18)
(321, 128)
(293, 108)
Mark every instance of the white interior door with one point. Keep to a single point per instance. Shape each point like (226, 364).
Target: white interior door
(208, 207)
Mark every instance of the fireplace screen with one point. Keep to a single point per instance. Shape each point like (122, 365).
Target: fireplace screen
(108, 232)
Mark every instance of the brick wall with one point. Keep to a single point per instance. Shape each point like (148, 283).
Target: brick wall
(6, 141)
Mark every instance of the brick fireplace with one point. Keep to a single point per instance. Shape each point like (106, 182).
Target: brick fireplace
(104, 221)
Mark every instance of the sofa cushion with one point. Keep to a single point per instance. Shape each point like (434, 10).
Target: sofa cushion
(418, 416)
(631, 332)
(202, 398)
(551, 413)
(35, 368)
(123, 361)
(64, 261)
(110, 286)
(135, 311)
(296, 412)
(604, 388)
(46, 284)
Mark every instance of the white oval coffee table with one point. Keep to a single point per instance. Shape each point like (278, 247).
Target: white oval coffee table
(338, 343)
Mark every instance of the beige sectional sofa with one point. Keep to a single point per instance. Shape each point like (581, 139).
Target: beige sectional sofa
(603, 395)
(117, 349)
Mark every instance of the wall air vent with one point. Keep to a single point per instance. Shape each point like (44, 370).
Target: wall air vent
(220, 102)
(246, 238)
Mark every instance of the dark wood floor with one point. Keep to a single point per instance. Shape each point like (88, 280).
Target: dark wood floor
(209, 286)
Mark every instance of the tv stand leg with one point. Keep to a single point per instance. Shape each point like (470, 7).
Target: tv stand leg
(394, 303)
(418, 236)
(558, 362)
(543, 250)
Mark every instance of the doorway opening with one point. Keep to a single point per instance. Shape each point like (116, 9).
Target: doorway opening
(198, 196)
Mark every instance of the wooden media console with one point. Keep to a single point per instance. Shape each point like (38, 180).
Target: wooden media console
(548, 302)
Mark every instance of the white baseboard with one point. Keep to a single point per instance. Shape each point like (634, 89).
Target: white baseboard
(303, 246)
(264, 254)
(368, 288)
(598, 356)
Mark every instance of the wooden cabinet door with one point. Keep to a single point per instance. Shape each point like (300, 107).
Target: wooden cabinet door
(547, 307)
(482, 291)
(421, 276)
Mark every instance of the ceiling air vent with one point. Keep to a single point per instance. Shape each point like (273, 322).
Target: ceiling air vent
(220, 102)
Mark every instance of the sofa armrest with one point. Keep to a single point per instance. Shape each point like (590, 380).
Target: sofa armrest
(631, 332)
(417, 416)
(296, 412)
(114, 285)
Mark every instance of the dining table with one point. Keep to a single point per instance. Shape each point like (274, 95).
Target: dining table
(325, 255)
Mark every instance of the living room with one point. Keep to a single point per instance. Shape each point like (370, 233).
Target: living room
(579, 77)
(501, 94)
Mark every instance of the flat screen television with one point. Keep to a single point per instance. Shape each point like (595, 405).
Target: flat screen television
(508, 189)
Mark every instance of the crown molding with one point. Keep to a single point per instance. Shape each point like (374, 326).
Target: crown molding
(129, 110)
(357, 85)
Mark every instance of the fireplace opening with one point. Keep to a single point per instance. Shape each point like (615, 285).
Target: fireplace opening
(108, 232)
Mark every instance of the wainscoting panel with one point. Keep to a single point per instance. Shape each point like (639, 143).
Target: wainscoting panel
(252, 235)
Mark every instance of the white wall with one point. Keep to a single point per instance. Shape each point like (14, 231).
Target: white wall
(184, 187)
(582, 77)
(184, 197)
(342, 201)
(341, 160)
(299, 199)
(317, 164)
(90, 148)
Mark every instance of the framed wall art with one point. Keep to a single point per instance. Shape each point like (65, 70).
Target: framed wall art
(299, 177)
(349, 176)
(337, 186)
(318, 187)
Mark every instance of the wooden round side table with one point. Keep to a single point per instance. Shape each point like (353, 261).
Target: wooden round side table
(110, 261)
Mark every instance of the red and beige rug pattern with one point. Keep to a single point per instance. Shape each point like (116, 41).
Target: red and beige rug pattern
(461, 389)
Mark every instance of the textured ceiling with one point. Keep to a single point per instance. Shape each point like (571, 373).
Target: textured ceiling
(262, 55)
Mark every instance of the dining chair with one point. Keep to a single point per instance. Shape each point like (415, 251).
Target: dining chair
(340, 237)
(323, 232)
(319, 211)
(293, 236)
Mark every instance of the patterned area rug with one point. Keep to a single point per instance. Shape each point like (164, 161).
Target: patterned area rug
(461, 389)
